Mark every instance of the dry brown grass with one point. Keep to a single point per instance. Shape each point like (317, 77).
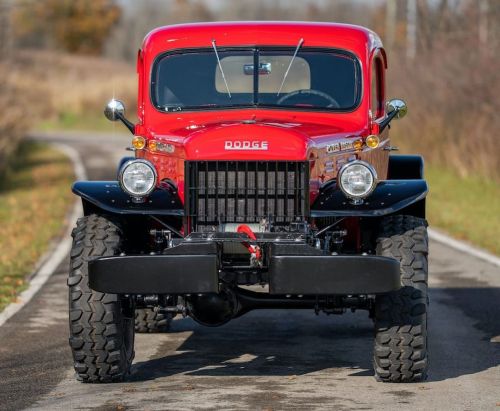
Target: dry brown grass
(34, 199)
(16, 108)
(50, 88)
(453, 95)
(60, 90)
(78, 87)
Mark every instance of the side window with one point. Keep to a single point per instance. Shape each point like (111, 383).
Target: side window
(377, 88)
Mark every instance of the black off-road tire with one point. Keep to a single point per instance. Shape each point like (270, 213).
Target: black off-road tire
(101, 325)
(400, 352)
(147, 320)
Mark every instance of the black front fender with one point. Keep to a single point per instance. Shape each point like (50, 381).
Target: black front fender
(389, 197)
(405, 167)
(108, 196)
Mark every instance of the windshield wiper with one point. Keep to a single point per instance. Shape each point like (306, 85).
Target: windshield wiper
(301, 41)
(220, 67)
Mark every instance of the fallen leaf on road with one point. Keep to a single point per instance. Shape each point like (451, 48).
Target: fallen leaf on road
(292, 377)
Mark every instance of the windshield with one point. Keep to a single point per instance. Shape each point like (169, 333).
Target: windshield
(315, 79)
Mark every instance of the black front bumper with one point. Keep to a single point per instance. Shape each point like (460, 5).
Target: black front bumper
(193, 268)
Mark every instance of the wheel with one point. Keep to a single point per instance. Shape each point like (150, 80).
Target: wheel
(400, 352)
(101, 324)
(148, 320)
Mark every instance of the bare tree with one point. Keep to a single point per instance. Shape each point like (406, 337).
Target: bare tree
(484, 7)
(411, 29)
(390, 23)
(5, 28)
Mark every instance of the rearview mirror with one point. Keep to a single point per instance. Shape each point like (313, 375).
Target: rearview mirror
(399, 106)
(114, 110)
(264, 69)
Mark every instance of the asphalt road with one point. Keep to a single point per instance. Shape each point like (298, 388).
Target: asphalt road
(268, 360)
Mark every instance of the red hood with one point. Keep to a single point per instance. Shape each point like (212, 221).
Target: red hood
(255, 139)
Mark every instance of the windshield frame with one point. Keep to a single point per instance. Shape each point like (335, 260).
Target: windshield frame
(358, 75)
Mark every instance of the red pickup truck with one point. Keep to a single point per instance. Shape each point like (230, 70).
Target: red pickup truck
(262, 178)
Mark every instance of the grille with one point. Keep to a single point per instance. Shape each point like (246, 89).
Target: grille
(246, 191)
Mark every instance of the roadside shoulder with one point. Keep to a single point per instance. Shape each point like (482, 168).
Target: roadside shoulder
(58, 249)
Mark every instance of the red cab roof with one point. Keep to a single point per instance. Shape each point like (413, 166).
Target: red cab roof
(359, 40)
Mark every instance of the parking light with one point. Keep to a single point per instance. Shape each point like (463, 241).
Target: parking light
(372, 141)
(138, 142)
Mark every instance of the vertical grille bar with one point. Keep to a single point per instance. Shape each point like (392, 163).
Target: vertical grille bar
(226, 182)
(276, 207)
(246, 189)
(297, 195)
(236, 191)
(192, 183)
(285, 201)
(207, 190)
(256, 192)
(217, 190)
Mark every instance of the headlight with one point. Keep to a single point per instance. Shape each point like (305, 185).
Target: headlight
(138, 177)
(357, 179)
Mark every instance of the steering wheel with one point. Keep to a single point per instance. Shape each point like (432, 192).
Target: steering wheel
(332, 103)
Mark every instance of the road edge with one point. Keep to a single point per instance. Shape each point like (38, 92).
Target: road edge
(58, 250)
(465, 247)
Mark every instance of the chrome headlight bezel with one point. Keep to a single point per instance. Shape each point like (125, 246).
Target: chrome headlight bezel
(123, 169)
(369, 167)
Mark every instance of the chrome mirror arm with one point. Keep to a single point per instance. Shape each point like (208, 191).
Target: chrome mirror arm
(127, 123)
(396, 109)
(115, 110)
(387, 120)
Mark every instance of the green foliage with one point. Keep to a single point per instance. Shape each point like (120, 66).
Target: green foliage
(76, 26)
(68, 120)
(467, 208)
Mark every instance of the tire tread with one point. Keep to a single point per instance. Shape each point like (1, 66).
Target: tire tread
(147, 320)
(95, 319)
(400, 347)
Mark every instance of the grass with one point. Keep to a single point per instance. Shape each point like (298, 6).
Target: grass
(72, 121)
(34, 200)
(466, 208)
